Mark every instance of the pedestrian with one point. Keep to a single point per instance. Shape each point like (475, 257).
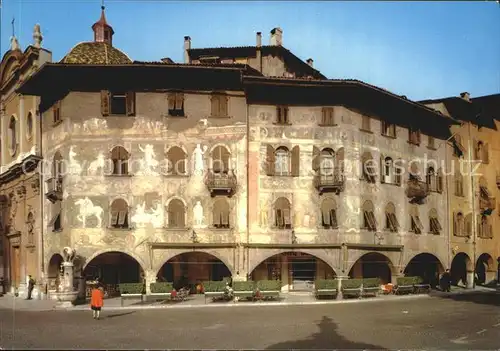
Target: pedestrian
(446, 281)
(96, 301)
(31, 286)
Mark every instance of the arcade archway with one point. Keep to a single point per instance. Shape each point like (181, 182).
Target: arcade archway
(54, 271)
(372, 265)
(189, 269)
(460, 266)
(296, 270)
(485, 270)
(113, 268)
(426, 266)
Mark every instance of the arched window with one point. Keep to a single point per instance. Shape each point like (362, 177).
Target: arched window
(13, 135)
(177, 160)
(459, 224)
(120, 158)
(368, 169)
(459, 183)
(282, 164)
(434, 225)
(282, 211)
(416, 225)
(57, 165)
(485, 228)
(329, 213)
(29, 125)
(431, 179)
(387, 170)
(220, 213)
(369, 221)
(327, 162)
(119, 214)
(220, 159)
(391, 222)
(176, 214)
(468, 225)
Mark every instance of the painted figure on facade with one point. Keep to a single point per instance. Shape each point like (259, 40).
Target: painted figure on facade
(149, 162)
(97, 164)
(198, 159)
(88, 209)
(198, 215)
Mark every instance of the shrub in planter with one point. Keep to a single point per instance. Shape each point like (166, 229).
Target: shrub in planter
(405, 281)
(131, 288)
(214, 286)
(352, 283)
(326, 284)
(161, 287)
(244, 286)
(269, 285)
(371, 282)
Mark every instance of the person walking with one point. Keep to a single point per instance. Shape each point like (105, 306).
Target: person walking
(96, 301)
(446, 281)
(31, 286)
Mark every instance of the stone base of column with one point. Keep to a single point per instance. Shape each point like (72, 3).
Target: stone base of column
(339, 286)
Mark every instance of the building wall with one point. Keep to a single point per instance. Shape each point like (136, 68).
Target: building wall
(305, 200)
(84, 136)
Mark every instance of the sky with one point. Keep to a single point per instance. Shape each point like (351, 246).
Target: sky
(419, 49)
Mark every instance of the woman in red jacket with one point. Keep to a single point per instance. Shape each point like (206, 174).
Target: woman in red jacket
(97, 301)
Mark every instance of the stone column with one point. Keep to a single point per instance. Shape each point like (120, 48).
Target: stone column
(340, 278)
(285, 274)
(68, 276)
(470, 279)
(150, 278)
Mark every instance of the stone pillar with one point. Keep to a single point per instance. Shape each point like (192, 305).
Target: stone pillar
(284, 274)
(340, 278)
(470, 279)
(68, 276)
(150, 278)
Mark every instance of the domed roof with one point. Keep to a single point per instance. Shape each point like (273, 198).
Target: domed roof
(96, 53)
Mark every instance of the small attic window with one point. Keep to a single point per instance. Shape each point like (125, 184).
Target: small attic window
(210, 59)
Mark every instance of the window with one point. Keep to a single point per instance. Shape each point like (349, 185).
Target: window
(388, 129)
(431, 142)
(387, 170)
(416, 225)
(434, 225)
(57, 165)
(220, 214)
(365, 123)
(176, 161)
(282, 219)
(431, 180)
(398, 172)
(482, 152)
(391, 222)
(329, 213)
(459, 184)
(119, 214)
(468, 225)
(176, 212)
(30, 226)
(327, 117)
(29, 126)
(120, 158)
(369, 221)
(458, 149)
(176, 104)
(220, 159)
(12, 135)
(117, 103)
(485, 228)
(55, 222)
(56, 112)
(282, 115)
(414, 136)
(368, 168)
(327, 162)
(459, 224)
(219, 103)
(281, 163)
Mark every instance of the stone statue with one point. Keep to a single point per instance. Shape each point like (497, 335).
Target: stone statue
(97, 164)
(198, 158)
(149, 161)
(37, 36)
(68, 254)
(198, 214)
(87, 209)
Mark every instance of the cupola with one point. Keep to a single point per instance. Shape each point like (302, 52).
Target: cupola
(103, 32)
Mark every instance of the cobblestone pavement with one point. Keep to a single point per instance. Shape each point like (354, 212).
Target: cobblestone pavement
(462, 321)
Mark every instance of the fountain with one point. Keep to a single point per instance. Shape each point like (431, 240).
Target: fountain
(66, 293)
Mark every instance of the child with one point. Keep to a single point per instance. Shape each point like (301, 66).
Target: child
(96, 301)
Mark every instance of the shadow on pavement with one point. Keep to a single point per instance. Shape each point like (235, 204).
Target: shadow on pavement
(119, 314)
(481, 297)
(326, 338)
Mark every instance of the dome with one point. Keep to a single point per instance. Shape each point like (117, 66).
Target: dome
(96, 53)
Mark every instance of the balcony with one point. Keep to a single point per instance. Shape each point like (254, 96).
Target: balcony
(333, 182)
(54, 189)
(196, 237)
(416, 190)
(487, 204)
(223, 183)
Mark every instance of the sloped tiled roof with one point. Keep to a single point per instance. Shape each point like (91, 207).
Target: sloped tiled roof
(247, 70)
(96, 53)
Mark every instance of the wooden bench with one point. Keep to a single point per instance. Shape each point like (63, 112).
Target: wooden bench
(422, 288)
(157, 296)
(371, 290)
(403, 289)
(326, 292)
(269, 294)
(356, 292)
(130, 296)
(214, 295)
(249, 295)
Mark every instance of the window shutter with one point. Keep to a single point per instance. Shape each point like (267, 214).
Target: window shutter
(382, 169)
(105, 102)
(286, 217)
(215, 105)
(122, 216)
(333, 218)
(114, 218)
(315, 159)
(439, 182)
(270, 161)
(171, 101)
(225, 218)
(455, 224)
(130, 98)
(295, 161)
(223, 106)
(486, 153)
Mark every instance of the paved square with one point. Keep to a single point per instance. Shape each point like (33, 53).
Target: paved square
(469, 321)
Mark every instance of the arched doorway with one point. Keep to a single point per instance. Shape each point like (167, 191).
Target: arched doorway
(372, 265)
(113, 268)
(485, 270)
(296, 270)
(460, 266)
(189, 269)
(426, 266)
(54, 272)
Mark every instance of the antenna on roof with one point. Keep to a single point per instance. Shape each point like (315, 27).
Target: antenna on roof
(102, 4)
(13, 27)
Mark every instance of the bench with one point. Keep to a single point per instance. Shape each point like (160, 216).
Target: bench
(371, 290)
(157, 296)
(215, 295)
(403, 289)
(130, 296)
(268, 295)
(326, 292)
(353, 292)
(243, 295)
(422, 288)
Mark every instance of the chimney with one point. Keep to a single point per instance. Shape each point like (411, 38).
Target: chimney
(187, 46)
(259, 39)
(258, 51)
(465, 95)
(277, 37)
(310, 62)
